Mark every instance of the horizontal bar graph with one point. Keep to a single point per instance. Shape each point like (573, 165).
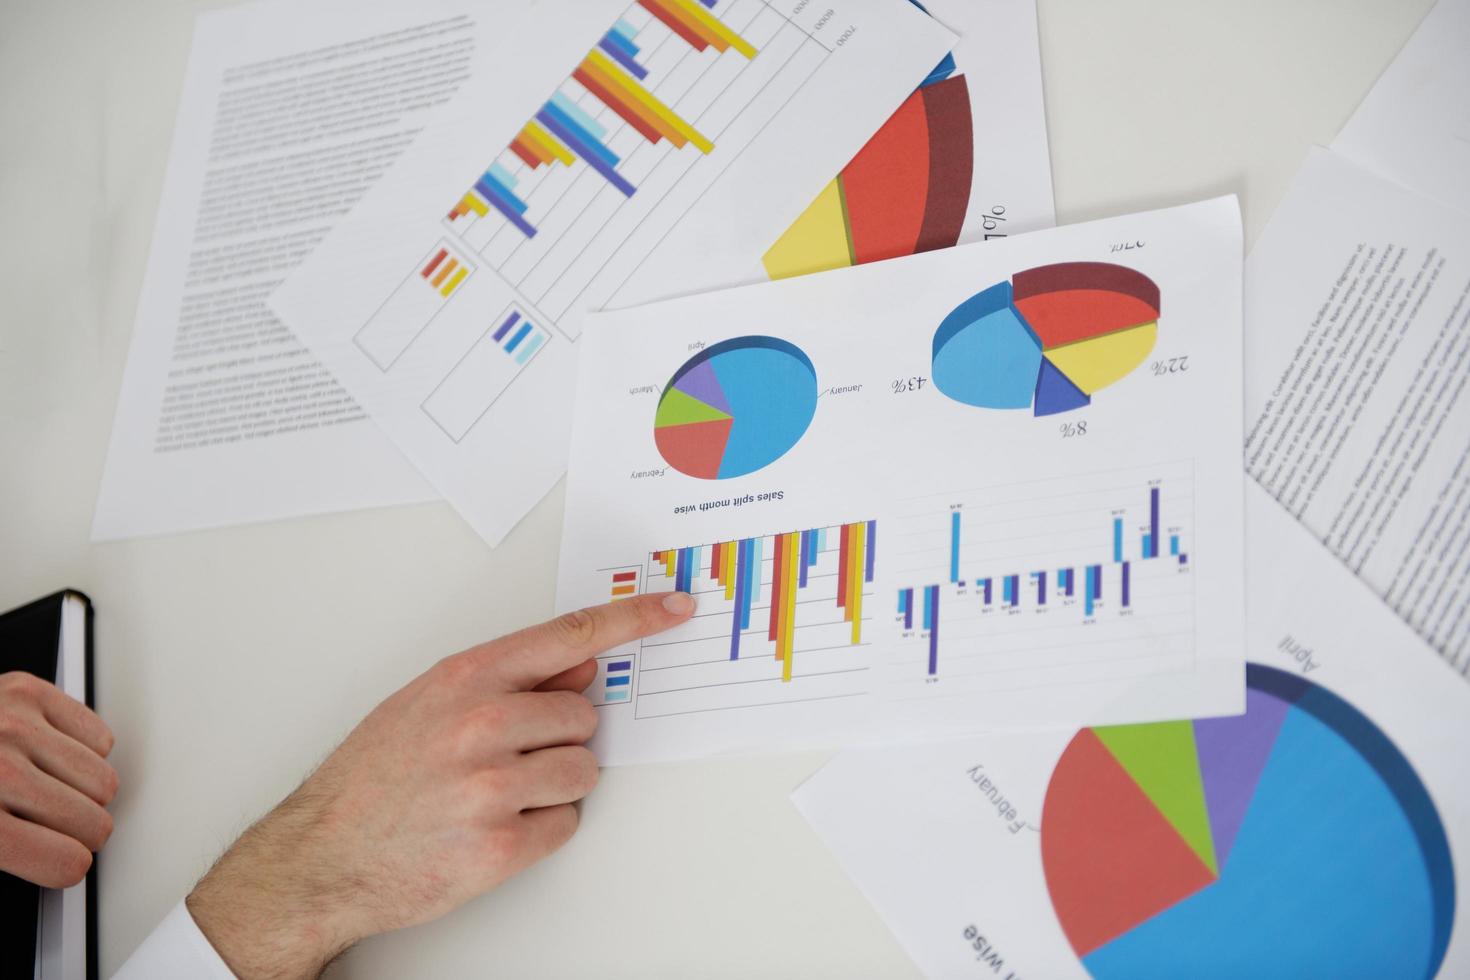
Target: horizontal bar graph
(1090, 588)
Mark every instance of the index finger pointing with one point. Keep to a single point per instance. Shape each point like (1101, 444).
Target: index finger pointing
(525, 659)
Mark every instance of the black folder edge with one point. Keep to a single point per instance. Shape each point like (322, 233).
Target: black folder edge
(58, 599)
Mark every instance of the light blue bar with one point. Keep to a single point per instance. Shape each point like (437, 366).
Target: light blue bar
(532, 345)
(1005, 589)
(1117, 539)
(619, 695)
(1173, 544)
(928, 609)
(954, 546)
(502, 175)
(627, 30)
(821, 540)
(578, 113)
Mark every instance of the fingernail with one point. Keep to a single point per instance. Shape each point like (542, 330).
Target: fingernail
(679, 603)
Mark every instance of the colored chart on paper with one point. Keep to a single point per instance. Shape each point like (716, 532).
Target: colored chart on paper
(906, 191)
(1293, 840)
(736, 407)
(1049, 339)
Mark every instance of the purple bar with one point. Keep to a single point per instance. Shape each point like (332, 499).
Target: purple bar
(908, 609)
(1153, 522)
(1096, 572)
(621, 57)
(1126, 577)
(510, 321)
(1040, 588)
(934, 631)
(988, 593)
(586, 152)
(802, 566)
(1183, 558)
(617, 665)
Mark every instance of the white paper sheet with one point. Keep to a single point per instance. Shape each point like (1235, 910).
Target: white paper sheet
(290, 111)
(470, 370)
(964, 159)
(1358, 342)
(997, 856)
(1414, 125)
(848, 427)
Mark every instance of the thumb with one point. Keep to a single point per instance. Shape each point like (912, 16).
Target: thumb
(523, 660)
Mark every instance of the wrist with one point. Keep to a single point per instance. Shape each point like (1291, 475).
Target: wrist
(271, 906)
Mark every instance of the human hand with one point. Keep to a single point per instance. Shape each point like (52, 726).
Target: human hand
(54, 782)
(452, 785)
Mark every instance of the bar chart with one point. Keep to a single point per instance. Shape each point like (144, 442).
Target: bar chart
(1066, 575)
(636, 118)
(779, 619)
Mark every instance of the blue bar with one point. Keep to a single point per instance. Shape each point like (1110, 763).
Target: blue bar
(532, 346)
(489, 187)
(802, 566)
(1005, 590)
(580, 115)
(501, 174)
(515, 342)
(753, 566)
(620, 665)
(929, 595)
(612, 50)
(932, 600)
(510, 208)
(622, 681)
(576, 130)
(623, 44)
(1088, 593)
(1153, 521)
(594, 153)
(813, 546)
(1125, 584)
(1117, 539)
(742, 560)
(510, 321)
(872, 546)
(1173, 544)
(954, 546)
(1146, 547)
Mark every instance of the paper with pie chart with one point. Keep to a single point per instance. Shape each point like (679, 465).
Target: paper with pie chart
(1323, 832)
(983, 487)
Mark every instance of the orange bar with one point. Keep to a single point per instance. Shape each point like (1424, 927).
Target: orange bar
(633, 114)
(443, 273)
(624, 589)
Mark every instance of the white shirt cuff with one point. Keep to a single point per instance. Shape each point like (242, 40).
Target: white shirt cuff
(176, 950)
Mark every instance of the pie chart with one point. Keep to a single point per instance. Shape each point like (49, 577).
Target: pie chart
(1049, 339)
(1293, 840)
(735, 407)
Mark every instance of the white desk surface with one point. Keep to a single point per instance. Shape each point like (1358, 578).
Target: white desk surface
(230, 661)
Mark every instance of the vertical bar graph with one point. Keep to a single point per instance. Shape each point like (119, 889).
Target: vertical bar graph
(1078, 580)
(778, 615)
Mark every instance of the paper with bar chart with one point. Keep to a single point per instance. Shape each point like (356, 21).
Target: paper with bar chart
(964, 159)
(560, 172)
(1319, 833)
(877, 554)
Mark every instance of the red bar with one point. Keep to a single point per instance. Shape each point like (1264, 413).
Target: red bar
(625, 576)
(778, 576)
(612, 101)
(674, 23)
(716, 563)
(434, 263)
(521, 150)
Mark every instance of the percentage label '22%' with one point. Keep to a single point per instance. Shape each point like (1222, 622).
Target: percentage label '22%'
(1174, 365)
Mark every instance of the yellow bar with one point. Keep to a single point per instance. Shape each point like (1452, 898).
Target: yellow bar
(730, 549)
(707, 20)
(669, 557)
(643, 98)
(455, 280)
(536, 133)
(788, 632)
(473, 203)
(855, 580)
(852, 566)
